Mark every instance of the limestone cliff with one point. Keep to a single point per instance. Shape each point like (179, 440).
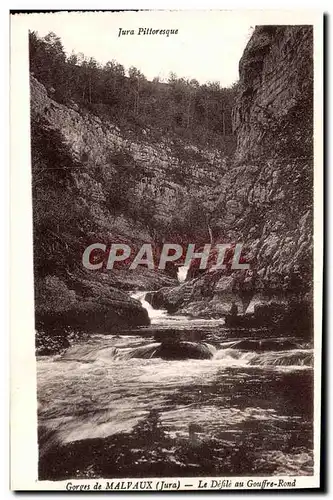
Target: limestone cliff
(275, 93)
(167, 171)
(93, 182)
(266, 195)
(119, 185)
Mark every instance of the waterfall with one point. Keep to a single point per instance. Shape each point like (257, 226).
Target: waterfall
(155, 315)
(158, 316)
(182, 273)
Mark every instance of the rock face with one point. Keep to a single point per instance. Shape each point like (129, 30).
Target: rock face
(266, 195)
(62, 313)
(168, 171)
(84, 170)
(269, 189)
(276, 78)
(262, 198)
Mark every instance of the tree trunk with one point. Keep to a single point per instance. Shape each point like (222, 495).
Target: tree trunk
(210, 232)
(90, 90)
(223, 123)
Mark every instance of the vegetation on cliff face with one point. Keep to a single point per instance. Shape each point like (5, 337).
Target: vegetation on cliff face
(70, 299)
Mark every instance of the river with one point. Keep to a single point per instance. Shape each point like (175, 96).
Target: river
(254, 401)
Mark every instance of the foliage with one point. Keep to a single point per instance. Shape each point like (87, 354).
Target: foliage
(52, 294)
(198, 112)
(60, 225)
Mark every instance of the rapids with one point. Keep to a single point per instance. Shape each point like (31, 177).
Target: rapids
(260, 390)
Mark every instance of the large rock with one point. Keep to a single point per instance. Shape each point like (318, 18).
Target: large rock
(96, 317)
(89, 306)
(170, 298)
(276, 78)
(173, 350)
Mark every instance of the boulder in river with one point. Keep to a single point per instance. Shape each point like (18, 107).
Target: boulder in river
(185, 350)
(97, 316)
(173, 350)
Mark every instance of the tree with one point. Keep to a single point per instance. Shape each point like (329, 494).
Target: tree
(137, 81)
(179, 106)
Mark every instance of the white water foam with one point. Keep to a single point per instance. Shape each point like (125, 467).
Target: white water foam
(161, 317)
(292, 358)
(156, 316)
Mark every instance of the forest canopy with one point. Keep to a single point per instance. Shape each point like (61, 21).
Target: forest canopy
(200, 113)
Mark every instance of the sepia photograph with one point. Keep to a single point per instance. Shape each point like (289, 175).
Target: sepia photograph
(175, 190)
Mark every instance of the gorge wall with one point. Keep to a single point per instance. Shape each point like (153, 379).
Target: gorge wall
(93, 182)
(266, 194)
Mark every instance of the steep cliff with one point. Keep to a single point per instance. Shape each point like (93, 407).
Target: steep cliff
(266, 195)
(94, 182)
(275, 94)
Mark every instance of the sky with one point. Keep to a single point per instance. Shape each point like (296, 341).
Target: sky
(208, 45)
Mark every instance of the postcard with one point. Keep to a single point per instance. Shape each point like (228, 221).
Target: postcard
(167, 250)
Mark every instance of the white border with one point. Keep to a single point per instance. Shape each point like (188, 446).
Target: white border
(23, 406)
